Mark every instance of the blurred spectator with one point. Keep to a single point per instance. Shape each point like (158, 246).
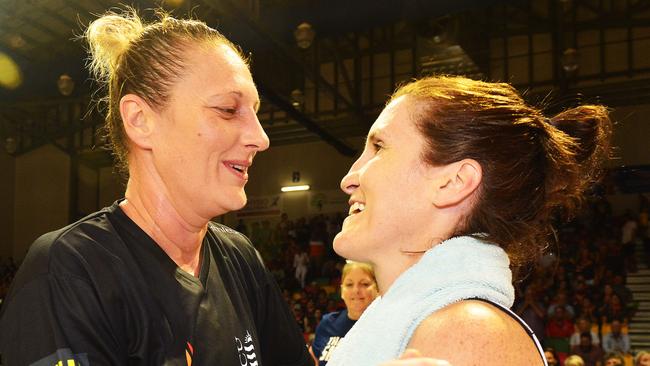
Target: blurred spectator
(588, 310)
(559, 326)
(574, 360)
(551, 357)
(642, 358)
(301, 265)
(621, 290)
(616, 341)
(614, 310)
(561, 300)
(606, 296)
(628, 234)
(585, 264)
(583, 325)
(591, 354)
(628, 230)
(613, 359)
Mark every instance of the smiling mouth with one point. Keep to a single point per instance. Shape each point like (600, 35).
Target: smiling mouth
(239, 170)
(356, 208)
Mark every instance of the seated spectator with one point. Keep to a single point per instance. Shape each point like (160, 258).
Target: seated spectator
(606, 296)
(580, 286)
(551, 357)
(574, 360)
(559, 326)
(591, 354)
(583, 325)
(621, 290)
(613, 359)
(615, 258)
(585, 265)
(588, 310)
(301, 319)
(615, 309)
(561, 299)
(642, 358)
(616, 341)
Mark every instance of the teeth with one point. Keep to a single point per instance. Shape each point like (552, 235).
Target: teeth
(238, 167)
(357, 207)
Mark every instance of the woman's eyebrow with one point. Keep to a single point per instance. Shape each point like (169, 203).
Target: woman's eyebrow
(374, 136)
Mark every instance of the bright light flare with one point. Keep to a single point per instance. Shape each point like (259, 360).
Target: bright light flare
(295, 188)
(10, 75)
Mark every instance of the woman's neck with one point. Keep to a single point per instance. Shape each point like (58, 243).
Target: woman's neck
(155, 213)
(387, 273)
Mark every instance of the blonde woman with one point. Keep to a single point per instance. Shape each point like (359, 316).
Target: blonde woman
(358, 290)
(151, 280)
(574, 360)
(642, 358)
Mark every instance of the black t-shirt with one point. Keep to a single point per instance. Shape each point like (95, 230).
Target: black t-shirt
(102, 292)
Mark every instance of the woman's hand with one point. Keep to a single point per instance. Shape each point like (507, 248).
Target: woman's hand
(412, 357)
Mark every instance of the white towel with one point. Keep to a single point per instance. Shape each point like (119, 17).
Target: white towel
(456, 269)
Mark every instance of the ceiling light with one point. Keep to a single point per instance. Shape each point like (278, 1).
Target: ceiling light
(304, 34)
(570, 60)
(65, 85)
(295, 188)
(16, 41)
(10, 75)
(297, 98)
(11, 145)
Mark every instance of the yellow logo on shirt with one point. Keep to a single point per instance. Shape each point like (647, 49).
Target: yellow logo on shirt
(67, 363)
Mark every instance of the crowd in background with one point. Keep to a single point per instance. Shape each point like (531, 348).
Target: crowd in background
(574, 299)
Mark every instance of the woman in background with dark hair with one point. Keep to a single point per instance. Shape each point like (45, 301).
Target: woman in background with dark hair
(551, 357)
(459, 180)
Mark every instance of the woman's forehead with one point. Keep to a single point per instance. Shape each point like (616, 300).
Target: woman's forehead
(218, 70)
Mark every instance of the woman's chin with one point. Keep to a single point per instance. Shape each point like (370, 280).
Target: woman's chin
(237, 201)
(341, 245)
(348, 249)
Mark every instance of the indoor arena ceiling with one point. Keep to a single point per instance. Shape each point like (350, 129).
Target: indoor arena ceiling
(314, 92)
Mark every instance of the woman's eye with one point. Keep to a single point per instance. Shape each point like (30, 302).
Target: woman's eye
(226, 110)
(377, 146)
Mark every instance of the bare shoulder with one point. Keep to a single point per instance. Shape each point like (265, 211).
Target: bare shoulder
(473, 332)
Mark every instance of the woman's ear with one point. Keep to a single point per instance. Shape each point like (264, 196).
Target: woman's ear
(137, 120)
(458, 181)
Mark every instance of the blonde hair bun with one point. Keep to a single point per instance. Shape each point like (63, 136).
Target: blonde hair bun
(109, 37)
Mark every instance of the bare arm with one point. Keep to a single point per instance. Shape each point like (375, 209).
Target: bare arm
(475, 333)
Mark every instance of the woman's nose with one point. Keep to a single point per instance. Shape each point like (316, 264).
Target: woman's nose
(256, 137)
(350, 181)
